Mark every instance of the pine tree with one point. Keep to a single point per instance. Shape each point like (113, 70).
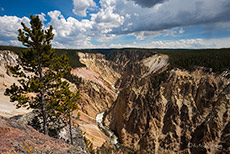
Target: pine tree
(68, 104)
(40, 71)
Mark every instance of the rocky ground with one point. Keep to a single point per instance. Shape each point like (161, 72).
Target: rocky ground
(18, 137)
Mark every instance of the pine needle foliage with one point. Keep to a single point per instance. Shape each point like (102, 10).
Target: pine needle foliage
(40, 72)
(66, 101)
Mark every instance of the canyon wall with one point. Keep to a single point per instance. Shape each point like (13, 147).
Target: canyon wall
(97, 89)
(159, 110)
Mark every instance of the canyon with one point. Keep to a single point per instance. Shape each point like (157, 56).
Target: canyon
(150, 107)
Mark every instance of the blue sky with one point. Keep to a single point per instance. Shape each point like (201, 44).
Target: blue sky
(123, 23)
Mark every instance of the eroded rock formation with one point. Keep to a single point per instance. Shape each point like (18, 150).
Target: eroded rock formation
(18, 137)
(151, 108)
(8, 109)
(172, 111)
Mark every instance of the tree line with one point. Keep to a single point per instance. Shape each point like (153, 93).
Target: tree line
(190, 59)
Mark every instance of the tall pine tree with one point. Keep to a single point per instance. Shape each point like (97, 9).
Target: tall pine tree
(67, 104)
(40, 71)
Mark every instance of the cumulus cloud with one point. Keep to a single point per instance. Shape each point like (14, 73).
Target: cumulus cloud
(42, 17)
(70, 32)
(171, 14)
(9, 27)
(140, 18)
(81, 6)
(107, 16)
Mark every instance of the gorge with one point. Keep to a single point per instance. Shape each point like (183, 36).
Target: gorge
(149, 105)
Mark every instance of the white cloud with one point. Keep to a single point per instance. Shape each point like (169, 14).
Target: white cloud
(181, 31)
(81, 6)
(170, 14)
(70, 32)
(192, 43)
(143, 34)
(9, 28)
(177, 44)
(42, 17)
(188, 43)
(14, 43)
(106, 18)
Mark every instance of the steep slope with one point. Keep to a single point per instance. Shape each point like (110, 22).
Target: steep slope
(97, 93)
(7, 108)
(100, 79)
(151, 108)
(107, 70)
(86, 123)
(173, 112)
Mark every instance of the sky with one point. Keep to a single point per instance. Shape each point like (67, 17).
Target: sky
(83, 24)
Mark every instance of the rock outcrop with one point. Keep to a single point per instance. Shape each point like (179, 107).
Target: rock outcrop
(97, 93)
(99, 77)
(172, 111)
(17, 137)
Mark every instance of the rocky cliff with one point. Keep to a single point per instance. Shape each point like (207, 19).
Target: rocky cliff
(99, 77)
(171, 111)
(97, 93)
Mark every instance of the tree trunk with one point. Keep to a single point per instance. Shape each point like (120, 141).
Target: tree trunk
(43, 105)
(45, 128)
(70, 129)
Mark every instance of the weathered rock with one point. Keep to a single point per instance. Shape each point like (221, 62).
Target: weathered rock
(17, 137)
(95, 98)
(99, 77)
(188, 113)
(7, 108)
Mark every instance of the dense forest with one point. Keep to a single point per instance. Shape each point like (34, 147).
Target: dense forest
(70, 53)
(217, 59)
(189, 59)
(15, 49)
